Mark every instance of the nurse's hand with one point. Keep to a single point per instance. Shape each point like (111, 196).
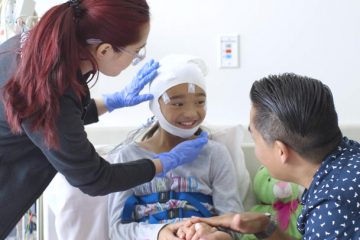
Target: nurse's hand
(182, 153)
(129, 96)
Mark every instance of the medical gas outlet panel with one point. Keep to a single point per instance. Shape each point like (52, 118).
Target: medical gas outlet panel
(229, 51)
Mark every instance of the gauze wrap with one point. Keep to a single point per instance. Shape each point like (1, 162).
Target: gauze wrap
(175, 70)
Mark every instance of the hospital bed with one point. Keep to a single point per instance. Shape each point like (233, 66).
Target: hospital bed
(62, 201)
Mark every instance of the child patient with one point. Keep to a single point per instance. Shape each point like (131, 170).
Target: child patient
(205, 187)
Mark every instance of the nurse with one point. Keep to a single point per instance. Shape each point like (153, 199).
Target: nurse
(45, 103)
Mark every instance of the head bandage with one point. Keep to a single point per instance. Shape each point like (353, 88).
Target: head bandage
(175, 70)
(165, 98)
(191, 88)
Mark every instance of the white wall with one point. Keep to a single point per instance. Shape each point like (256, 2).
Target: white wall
(319, 38)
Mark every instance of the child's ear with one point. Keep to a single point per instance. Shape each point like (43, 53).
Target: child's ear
(282, 151)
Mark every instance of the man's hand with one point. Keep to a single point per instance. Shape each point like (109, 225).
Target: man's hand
(244, 222)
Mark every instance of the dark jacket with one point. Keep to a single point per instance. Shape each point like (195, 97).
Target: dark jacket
(27, 166)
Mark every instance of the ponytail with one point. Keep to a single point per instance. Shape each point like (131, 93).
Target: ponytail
(48, 66)
(51, 56)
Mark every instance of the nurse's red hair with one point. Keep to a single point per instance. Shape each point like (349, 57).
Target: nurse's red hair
(50, 58)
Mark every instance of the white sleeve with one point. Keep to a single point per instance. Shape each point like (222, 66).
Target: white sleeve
(226, 195)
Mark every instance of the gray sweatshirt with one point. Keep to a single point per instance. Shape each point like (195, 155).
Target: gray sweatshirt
(212, 173)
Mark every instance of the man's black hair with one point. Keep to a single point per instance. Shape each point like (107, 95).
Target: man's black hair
(298, 111)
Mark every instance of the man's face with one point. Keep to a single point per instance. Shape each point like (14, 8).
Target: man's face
(265, 152)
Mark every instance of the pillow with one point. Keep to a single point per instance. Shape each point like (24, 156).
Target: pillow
(77, 215)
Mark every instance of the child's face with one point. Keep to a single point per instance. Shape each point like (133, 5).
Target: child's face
(184, 109)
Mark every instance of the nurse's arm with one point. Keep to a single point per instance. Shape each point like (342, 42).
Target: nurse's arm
(100, 105)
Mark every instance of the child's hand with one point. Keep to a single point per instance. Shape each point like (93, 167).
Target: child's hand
(200, 231)
(207, 232)
(168, 232)
(186, 231)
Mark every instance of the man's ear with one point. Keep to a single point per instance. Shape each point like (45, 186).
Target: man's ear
(282, 150)
(104, 50)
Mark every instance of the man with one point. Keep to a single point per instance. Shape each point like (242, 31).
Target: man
(295, 129)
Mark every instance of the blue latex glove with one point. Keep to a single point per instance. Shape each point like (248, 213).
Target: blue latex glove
(182, 153)
(129, 96)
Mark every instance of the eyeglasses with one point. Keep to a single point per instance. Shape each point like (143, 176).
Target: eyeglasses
(138, 56)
